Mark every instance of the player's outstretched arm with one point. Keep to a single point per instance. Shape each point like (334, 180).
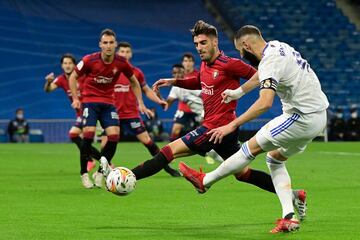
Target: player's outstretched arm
(261, 105)
(230, 95)
(49, 84)
(164, 82)
(73, 88)
(137, 91)
(154, 97)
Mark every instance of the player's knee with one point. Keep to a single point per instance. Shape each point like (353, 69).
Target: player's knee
(73, 135)
(89, 135)
(113, 137)
(277, 155)
(168, 153)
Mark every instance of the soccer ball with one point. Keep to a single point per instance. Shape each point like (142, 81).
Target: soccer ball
(121, 181)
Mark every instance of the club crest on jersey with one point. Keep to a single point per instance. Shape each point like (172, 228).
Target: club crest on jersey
(215, 74)
(115, 70)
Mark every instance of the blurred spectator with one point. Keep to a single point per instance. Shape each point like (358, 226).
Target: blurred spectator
(353, 126)
(155, 128)
(337, 126)
(18, 129)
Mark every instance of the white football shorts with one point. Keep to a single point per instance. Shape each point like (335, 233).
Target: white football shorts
(291, 132)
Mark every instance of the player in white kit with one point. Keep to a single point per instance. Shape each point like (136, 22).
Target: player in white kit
(284, 72)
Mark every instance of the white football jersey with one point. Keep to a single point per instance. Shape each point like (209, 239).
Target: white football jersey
(297, 85)
(191, 97)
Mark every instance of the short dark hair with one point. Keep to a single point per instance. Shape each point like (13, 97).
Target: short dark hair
(107, 31)
(202, 27)
(67, 55)
(19, 109)
(188, 55)
(124, 44)
(247, 30)
(178, 65)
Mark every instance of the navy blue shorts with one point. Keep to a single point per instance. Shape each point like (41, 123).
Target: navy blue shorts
(105, 113)
(132, 126)
(186, 118)
(198, 142)
(78, 122)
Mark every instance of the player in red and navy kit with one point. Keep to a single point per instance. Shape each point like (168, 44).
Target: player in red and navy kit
(101, 71)
(127, 107)
(184, 116)
(62, 81)
(218, 72)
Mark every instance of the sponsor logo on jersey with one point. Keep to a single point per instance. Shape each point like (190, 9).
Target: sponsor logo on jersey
(103, 80)
(208, 90)
(215, 74)
(122, 88)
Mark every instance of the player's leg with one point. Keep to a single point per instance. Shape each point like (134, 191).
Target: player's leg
(195, 141)
(109, 120)
(74, 135)
(175, 131)
(234, 164)
(146, 140)
(109, 148)
(162, 159)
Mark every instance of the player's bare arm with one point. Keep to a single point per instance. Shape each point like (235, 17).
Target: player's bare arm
(164, 82)
(137, 91)
(261, 105)
(73, 87)
(154, 97)
(49, 85)
(230, 95)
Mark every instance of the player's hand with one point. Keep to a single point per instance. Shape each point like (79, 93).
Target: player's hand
(50, 77)
(76, 104)
(217, 134)
(230, 95)
(163, 83)
(164, 105)
(144, 110)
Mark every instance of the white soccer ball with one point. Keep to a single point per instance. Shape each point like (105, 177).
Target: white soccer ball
(121, 181)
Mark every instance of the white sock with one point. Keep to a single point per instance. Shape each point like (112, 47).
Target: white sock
(282, 183)
(233, 164)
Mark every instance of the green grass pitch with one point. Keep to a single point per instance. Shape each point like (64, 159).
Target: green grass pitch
(41, 198)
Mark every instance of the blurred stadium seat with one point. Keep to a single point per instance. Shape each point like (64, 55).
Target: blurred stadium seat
(318, 29)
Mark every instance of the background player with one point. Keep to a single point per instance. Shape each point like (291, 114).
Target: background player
(184, 114)
(127, 107)
(68, 62)
(101, 71)
(190, 108)
(284, 72)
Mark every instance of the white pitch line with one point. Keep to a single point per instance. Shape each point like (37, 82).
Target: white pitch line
(340, 153)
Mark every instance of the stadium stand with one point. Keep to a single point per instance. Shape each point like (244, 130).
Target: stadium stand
(318, 29)
(36, 33)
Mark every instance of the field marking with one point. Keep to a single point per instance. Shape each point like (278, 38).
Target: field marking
(340, 153)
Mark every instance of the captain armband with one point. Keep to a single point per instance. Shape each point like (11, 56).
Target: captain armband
(268, 84)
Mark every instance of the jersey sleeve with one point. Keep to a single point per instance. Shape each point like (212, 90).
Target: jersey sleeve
(174, 93)
(240, 69)
(140, 77)
(127, 70)
(57, 81)
(82, 66)
(270, 67)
